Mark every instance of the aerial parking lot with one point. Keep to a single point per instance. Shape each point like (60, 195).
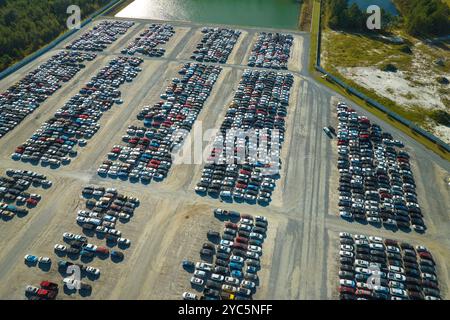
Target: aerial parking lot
(120, 209)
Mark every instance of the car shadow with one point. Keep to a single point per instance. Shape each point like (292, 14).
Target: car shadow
(22, 214)
(86, 259)
(45, 266)
(116, 259)
(68, 291)
(30, 264)
(123, 246)
(196, 287)
(102, 256)
(208, 259)
(92, 277)
(89, 233)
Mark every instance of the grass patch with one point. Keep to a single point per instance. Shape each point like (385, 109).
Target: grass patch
(361, 50)
(314, 32)
(305, 15)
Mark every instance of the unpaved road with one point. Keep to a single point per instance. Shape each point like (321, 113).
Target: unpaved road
(300, 253)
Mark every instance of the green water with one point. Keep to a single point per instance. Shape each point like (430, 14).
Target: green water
(259, 13)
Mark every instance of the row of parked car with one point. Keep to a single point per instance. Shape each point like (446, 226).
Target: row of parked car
(147, 151)
(77, 245)
(105, 208)
(216, 45)
(376, 183)
(148, 41)
(14, 195)
(46, 291)
(26, 95)
(55, 141)
(245, 157)
(100, 36)
(236, 254)
(271, 50)
(385, 269)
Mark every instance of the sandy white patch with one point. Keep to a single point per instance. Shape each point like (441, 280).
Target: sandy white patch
(395, 86)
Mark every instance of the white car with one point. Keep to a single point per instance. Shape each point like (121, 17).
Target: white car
(345, 214)
(361, 263)
(223, 249)
(124, 216)
(197, 281)
(345, 235)
(396, 277)
(347, 247)
(373, 220)
(31, 289)
(360, 236)
(217, 277)
(93, 271)
(248, 284)
(253, 248)
(346, 254)
(261, 218)
(203, 266)
(60, 248)
(90, 247)
(200, 273)
(68, 236)
(428, 276)
(381, 289)
(363, 271)
(256, 236)
(81, 219)
(376, 246)
(237, 259)
(347, 283)
(246, 221)
(189, 296)
(232, 280)
(226, 243)
(398, 292)
(44, 260)
(396, 269)
(124, 241)
(393, 249)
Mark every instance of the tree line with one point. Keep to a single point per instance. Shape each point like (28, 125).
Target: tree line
(420, 17)
(425, 17)
(27, 25)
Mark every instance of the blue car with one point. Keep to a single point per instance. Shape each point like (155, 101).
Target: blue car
(31, 259)
(252, 269)
(235, 266)
(236, 274)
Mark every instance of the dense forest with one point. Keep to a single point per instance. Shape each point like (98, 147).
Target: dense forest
(425, 17)
(421, 17)
(27, 25)
(341, 16)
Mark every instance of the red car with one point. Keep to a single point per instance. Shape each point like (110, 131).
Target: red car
(426, 255)
(48, 294)
(31, 202)
(47, 285)
(102, 250)
(231, 225)
(361, 292)
(238, 245)
(346, 290)
(241, 240)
